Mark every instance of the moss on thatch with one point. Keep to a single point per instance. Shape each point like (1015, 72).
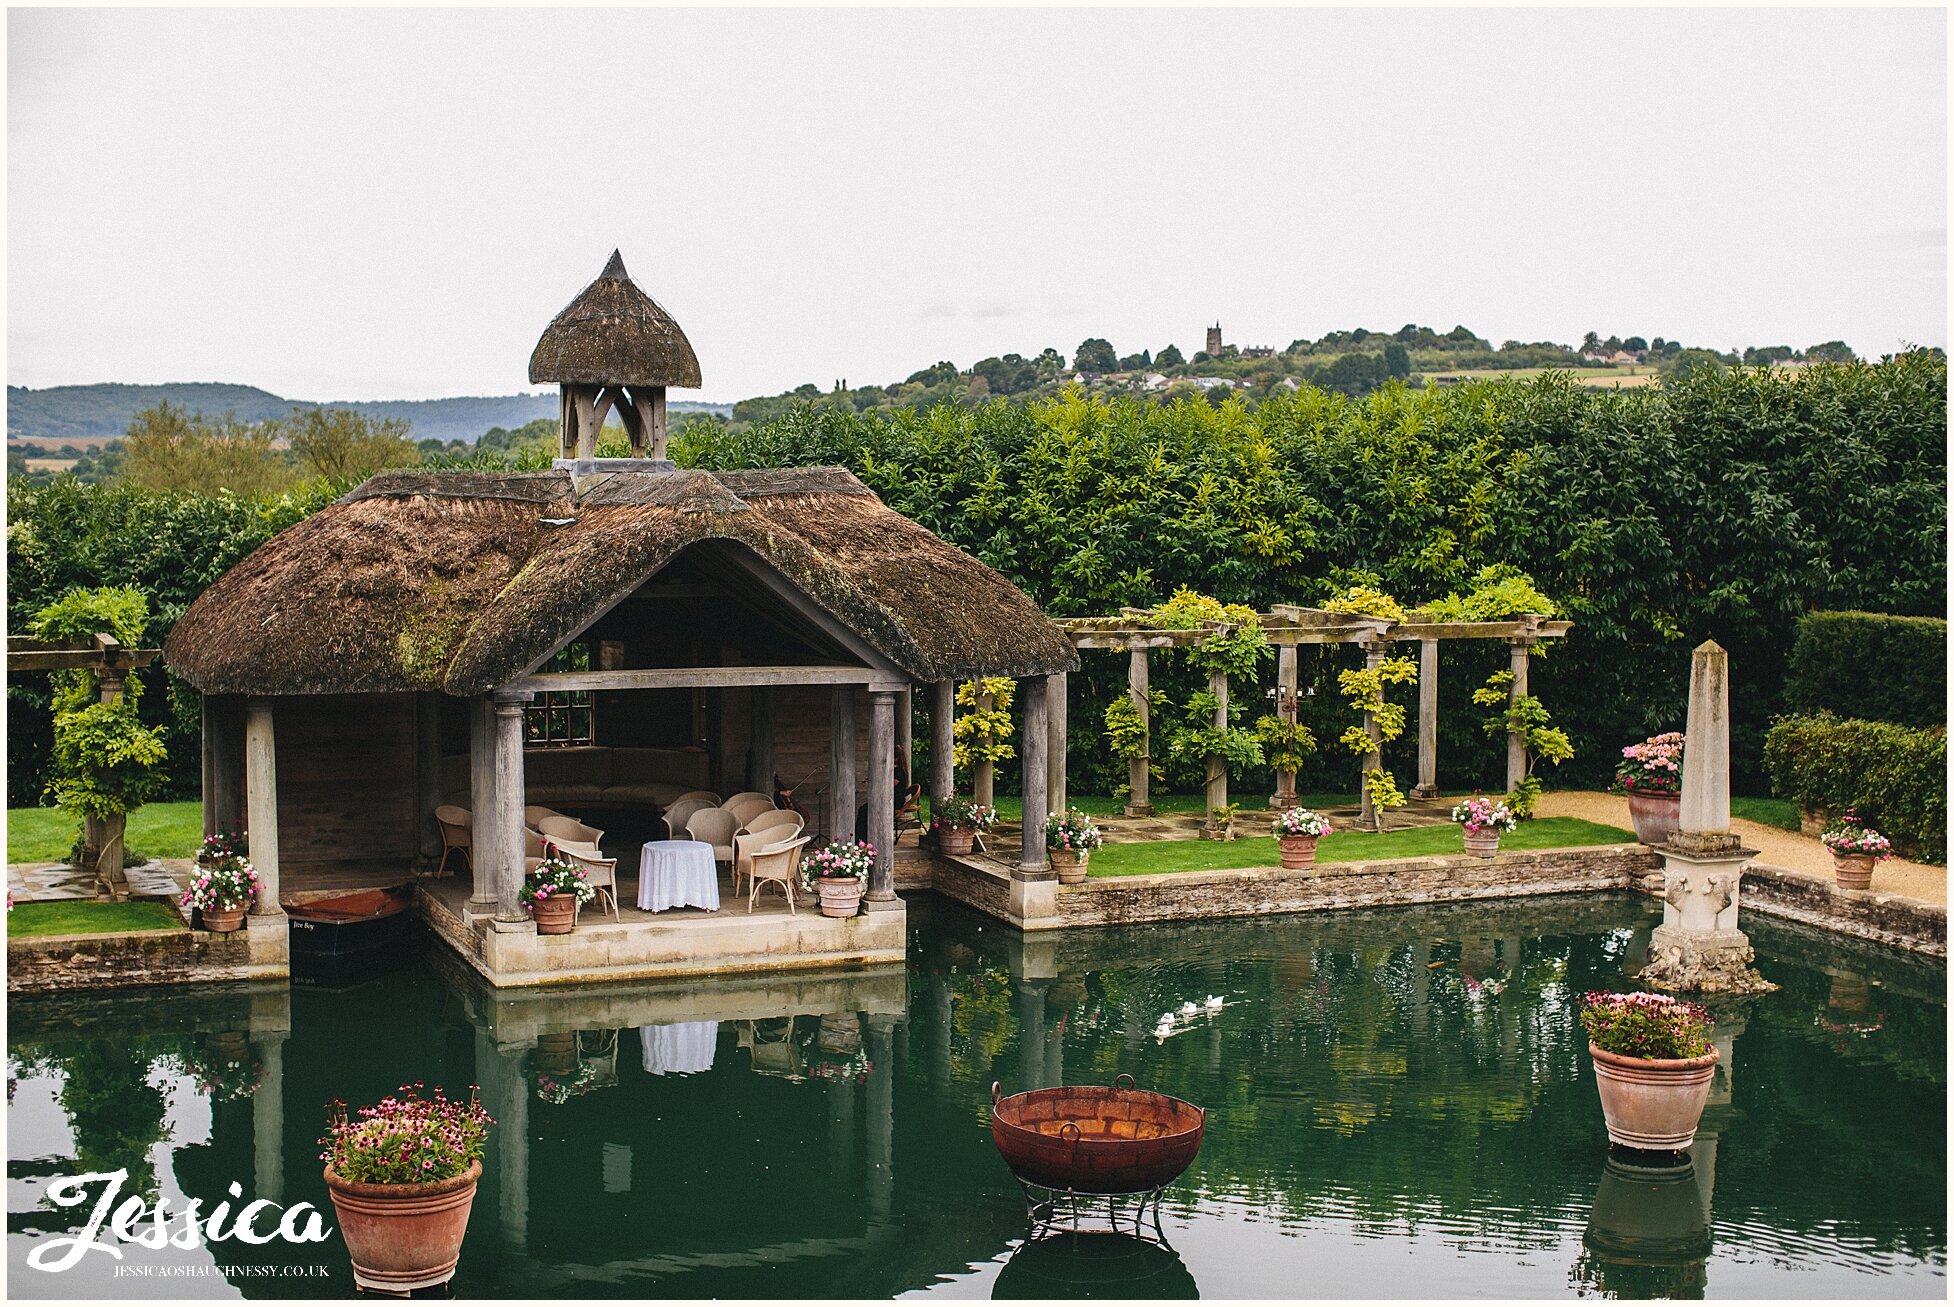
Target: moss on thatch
(462, 581)
(614, 334)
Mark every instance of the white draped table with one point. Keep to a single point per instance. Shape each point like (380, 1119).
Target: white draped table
(683, 1048)
(677, 874)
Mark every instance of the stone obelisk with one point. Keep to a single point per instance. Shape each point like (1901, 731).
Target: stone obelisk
(1698, 946)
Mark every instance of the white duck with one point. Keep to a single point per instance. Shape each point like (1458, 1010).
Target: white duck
(1214, 1002)
(1189, 1008)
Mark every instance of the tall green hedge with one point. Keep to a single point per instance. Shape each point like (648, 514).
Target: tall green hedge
(1895, 776)
(1872, 665)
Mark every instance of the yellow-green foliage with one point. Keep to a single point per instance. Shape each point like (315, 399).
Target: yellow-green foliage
(1363, 600)
(1528, 718)
(1364, 688)
(1498, 593)
(1235, 652)
(980, 735)
(76, 618)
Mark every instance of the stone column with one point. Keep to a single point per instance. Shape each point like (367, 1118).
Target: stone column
(940, 1022)
(268, 1119)
(1286, 706)
(482, 898)
(1139, 800)
(1516, 745)
(759, 750)
(881, 812)
(1055, 705)
(261, 784)
(504, 853)
(1374, 757)
(1427, 786)
(943, 766)
(983, 772)
(878, 1046)
(906, 732)
(1217, 765)
(1036, 735)
(1031, 1034)
(427, 773)
(841, 763)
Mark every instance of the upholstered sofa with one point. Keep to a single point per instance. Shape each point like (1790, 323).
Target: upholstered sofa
(595, 776)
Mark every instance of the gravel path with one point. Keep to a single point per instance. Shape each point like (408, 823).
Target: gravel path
(1780, 848)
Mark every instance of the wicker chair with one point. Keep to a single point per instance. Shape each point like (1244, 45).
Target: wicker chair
(568, 829)
(715, 826)
(457, 832)
(731, 799)
(707, 795)
(768, 829)
(748, 806)
(679, 816)
(780, 865)
(532, 816)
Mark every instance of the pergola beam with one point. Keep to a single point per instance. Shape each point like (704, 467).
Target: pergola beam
(693, 678)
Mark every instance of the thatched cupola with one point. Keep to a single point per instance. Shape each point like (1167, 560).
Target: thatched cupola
(614, 347)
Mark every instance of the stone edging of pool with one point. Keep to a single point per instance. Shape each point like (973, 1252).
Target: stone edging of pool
(38, 964)
(1891, 919)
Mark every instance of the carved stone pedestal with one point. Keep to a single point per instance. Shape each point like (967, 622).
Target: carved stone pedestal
(1698, 947)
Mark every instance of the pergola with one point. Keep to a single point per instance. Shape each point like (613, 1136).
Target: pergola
(1287, 626)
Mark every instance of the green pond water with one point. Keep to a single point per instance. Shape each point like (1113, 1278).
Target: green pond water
(1400, 1105)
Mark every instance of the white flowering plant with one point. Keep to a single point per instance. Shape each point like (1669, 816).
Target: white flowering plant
(1300, 821)
(556, 876)
(1480, 813)
(1850, 837)
(1071, 831)
(838, 860)
(223, 887)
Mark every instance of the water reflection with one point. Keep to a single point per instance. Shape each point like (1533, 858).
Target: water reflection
(1096, 1265)
(1649, 1233)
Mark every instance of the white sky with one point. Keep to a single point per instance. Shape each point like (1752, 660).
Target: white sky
(391, 204)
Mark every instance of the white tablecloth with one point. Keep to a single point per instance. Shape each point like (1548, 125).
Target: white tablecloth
(677, 874)
(680, 1049)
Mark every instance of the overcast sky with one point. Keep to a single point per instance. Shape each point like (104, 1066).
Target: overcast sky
(373, 204)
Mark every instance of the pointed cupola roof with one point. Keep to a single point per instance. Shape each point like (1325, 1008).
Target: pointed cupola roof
(614, 334)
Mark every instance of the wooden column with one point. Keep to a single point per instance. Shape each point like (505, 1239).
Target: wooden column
(841, 764)
(1037, 740)
(1374, 758)
(1516, 747)
(1286, 688)
(1139, 799)
(481, 804)
(427, 773)
(1217, 765)
(906, 732)
(943, 744)
(881, 811)
(584, 399)
(1055, 707)
(261, 784)
(759, 749)
(504, 853)
(223, 764)
(983, 772)
(655, 421)
(1427, 787)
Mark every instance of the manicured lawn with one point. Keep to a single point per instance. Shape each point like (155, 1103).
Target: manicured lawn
(156, 830)
(1010, 807)
(87, 917)
(1143, 858)
(1782, 813)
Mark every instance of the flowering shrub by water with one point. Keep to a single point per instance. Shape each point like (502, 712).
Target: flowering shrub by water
(1851, 837)
(227, 886)
(556, 877)
(220, 1079)
(406, 1138)
(838, 859)
(959, 813)
(1646, 1025)
(1655, 766)
(1300, 821)
(1071, 831)
(1480, 813)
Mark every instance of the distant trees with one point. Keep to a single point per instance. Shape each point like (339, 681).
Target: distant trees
(1397, 360)
(1136, 362)
(169, 449)
(936, 374)
(1763, 356)
(1095, 354)
(1013, 374)
(1170, 357)
(1635, 345)
(341, 445)
(1832, 351)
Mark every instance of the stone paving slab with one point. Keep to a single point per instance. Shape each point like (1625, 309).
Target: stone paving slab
(51, 882)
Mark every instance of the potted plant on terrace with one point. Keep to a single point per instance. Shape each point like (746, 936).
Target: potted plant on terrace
(1070, 838)
(402, 1178)
(223, 886)
(958, 822)
(1484, 819)
(553, 891)
(1650, 774)
(1297, 830)
(838, 871)
(1855, 848)
(1653, 1061)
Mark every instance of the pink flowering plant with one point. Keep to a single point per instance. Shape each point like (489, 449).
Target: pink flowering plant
(1646, 1025)
(1300, 821)
(222, 886)
(221, 1079)
(959, 813)
(1850, 837)
(558, 1090)
(838, 860)
(556, 877)
(407, 1138)
(1071, 831)
(1655, 766)
(1481, 813)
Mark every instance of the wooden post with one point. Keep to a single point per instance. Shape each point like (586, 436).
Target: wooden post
(759, 749)
(584, 401)
(1286, 689)
(1427, 787)
(1037, 739)
(223, 770)
(841, 764)
(1217, 765)
(261, 784)
(1516, 744)
(881, 808)
(504, 853)
(943, 744)
(1374, 758)
(1055, 697)
(482, 898)
(906, 732)
(427, 772)
(983, 772)
(655, 421)
(1139, 799)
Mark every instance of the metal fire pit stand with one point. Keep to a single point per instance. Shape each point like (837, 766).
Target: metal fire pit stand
(1067, 1211)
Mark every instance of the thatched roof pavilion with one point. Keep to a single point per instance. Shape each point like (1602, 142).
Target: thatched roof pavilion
(613, 333)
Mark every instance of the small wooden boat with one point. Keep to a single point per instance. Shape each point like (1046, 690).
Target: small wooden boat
(1090, 1139)
(349, 923)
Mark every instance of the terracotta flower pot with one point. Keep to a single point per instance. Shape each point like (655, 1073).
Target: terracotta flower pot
(556, 1053)
(229, 1045)
(1653, 1103)
(1656, 816)
(1482, 843)
(956, 841)
(403, 1236)
(1852, 870)
(221, 921)
(555, 915)
(1070, 865)
(1298, 851)
(841, 896)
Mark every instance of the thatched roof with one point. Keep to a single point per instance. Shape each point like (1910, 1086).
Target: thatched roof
(459, 581)
(614, 334)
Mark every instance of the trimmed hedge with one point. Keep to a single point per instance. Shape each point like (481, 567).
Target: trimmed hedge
(1896, 776)
(1870, 665)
